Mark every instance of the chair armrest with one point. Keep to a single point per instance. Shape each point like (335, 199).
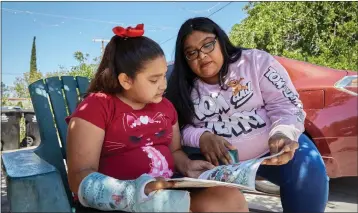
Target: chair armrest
(33, 185)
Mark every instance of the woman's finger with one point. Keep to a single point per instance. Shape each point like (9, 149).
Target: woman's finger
(270, 162)
(224, 155)
(214, 159)
(226, 152)
(229, 145)
(224, 160)
(217, 152)
(276, 146)
(208, 158)
(285, 158)
(293, 146)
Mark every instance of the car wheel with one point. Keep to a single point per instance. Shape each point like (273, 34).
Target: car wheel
(267, 187)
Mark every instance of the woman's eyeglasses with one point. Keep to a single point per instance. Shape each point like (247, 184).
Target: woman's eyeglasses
(206, 48)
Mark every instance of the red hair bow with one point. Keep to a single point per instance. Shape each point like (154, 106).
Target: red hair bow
(129, 31)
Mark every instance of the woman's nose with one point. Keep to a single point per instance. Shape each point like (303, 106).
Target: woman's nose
(201, 55)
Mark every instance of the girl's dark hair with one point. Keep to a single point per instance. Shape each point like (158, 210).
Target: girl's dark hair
(123, 55)
(181, 82)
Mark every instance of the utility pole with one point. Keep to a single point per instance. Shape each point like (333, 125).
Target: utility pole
(102, 41)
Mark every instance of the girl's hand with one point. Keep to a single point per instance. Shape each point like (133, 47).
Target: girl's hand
(215, 148)
(196, 167)
(279, 142)
(160, 183)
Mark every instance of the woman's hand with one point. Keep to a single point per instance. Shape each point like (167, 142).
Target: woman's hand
(215, 148)
(279, 142)
(159, 183)
(196, 167)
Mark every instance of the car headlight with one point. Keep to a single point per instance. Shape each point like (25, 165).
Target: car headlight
(348, 84)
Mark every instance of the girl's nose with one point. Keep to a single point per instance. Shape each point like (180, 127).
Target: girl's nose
(163, 85)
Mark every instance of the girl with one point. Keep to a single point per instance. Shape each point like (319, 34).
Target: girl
(232, 98)
(123, 138)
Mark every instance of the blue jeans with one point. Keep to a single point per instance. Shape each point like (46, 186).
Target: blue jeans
(303, 181)
(304, 184)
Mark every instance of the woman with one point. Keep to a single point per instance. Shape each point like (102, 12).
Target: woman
(232, 98)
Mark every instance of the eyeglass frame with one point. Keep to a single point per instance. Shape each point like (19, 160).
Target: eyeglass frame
(199, 50)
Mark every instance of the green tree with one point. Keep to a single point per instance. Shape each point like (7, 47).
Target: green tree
(5, 94)
(34, 74)
(21, 85)
(323, 33)
(85, 68)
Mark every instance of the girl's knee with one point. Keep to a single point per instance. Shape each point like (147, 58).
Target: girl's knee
(235, 200)
(219, 199)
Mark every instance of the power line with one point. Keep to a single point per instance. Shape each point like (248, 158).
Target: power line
(9, 73)
(81, 19)
(201, 11)
(58, 16)
(220, 9)
(207, 16)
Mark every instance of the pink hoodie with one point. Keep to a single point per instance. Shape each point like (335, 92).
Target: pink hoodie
(261, 100)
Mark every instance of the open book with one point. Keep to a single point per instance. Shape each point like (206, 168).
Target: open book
(241, 175)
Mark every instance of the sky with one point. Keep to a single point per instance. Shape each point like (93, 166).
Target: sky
(61, 28)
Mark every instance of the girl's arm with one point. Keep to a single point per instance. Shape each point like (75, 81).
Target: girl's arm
(184, 165)
(96, 190)
(84, 144)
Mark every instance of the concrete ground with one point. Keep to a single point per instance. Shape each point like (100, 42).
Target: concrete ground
(343, 197)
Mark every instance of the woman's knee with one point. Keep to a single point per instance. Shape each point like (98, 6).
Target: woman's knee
(307, 164)
(219, 199)
(309, 156)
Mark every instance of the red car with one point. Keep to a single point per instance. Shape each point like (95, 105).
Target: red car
(330, 100)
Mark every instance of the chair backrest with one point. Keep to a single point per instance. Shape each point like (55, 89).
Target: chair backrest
(53, 99)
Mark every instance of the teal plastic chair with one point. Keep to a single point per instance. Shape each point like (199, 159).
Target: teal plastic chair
(37, 178)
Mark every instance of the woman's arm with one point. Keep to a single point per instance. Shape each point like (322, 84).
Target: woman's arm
(282, 103)
(192, 135)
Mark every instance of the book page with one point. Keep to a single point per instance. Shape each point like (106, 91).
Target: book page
(240, 175)
(200, 183)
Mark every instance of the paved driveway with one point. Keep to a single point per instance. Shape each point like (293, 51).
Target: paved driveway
(343, 197)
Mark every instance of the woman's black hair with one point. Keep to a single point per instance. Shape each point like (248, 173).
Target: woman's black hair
(181, 82)
(123, 55)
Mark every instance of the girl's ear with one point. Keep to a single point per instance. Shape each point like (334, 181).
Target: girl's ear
(125, 81)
